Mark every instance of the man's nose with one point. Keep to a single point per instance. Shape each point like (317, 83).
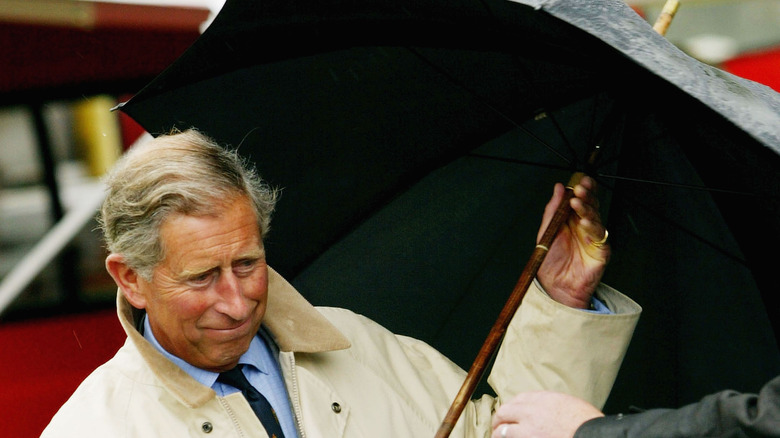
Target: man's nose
(231, 297)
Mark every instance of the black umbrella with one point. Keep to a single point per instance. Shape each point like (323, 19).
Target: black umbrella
(417, 143)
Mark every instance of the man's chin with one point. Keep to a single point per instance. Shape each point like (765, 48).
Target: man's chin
(226, 357)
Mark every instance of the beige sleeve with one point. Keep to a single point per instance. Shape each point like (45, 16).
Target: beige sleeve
(549, 346)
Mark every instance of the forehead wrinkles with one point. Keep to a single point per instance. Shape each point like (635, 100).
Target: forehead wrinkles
(190, 241)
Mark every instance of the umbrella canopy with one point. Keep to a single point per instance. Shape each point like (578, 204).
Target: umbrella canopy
(416, 144)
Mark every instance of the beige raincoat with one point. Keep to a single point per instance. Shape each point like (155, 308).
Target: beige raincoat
(349, 377)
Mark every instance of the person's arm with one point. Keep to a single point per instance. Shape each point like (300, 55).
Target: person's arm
(542, 414)
(551, 342)
(547, 414)
(550, 346)
(723, 414)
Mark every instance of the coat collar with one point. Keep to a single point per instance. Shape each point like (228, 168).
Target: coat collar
(295, 325)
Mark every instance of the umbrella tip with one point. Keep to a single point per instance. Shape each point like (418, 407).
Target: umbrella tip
(118, 106)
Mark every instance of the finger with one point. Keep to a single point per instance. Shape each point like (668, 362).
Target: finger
(585, 211)
(509, 411)
(502, 431)
(597, 246)
(588, 196)
(589, 183)
(550, 208)
(590, 230)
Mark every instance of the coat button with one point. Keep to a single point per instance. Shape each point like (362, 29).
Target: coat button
(207, 427)
(335, 407)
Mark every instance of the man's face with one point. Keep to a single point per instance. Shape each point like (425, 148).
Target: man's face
(208, 296)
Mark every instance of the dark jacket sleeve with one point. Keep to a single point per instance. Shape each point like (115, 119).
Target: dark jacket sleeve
(724, 414)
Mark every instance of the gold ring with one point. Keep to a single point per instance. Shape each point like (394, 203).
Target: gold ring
(603, 241)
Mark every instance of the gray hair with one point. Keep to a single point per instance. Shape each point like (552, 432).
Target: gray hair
(180, 173)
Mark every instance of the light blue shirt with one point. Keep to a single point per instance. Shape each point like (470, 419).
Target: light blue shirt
(260, 368)
(599, 306)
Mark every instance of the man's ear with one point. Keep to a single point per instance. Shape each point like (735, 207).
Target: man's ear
(127, 279)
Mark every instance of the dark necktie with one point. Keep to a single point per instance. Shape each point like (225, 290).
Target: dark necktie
(260, 405)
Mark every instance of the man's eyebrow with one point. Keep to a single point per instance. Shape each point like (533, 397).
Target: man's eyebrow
(254, 254)
(257, 253)
(190, 273)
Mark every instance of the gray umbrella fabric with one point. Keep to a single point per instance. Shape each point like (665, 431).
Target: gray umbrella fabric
(753, 107)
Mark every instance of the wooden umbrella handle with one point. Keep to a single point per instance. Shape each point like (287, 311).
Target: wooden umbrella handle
(665, 18)
(498, 330)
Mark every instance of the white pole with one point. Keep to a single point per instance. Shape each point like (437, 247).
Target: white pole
(49, 247)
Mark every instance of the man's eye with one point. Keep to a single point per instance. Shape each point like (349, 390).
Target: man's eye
(201, 279)
(245, 266)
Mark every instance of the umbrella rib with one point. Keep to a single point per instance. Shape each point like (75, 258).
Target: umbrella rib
(650, 210)
(566, 159)
(517, 161)
(623, 178)
(693, 234)
(513, 122)
(558, 129)
(687, 186)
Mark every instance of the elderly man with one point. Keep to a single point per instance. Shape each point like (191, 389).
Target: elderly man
(219, 344)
